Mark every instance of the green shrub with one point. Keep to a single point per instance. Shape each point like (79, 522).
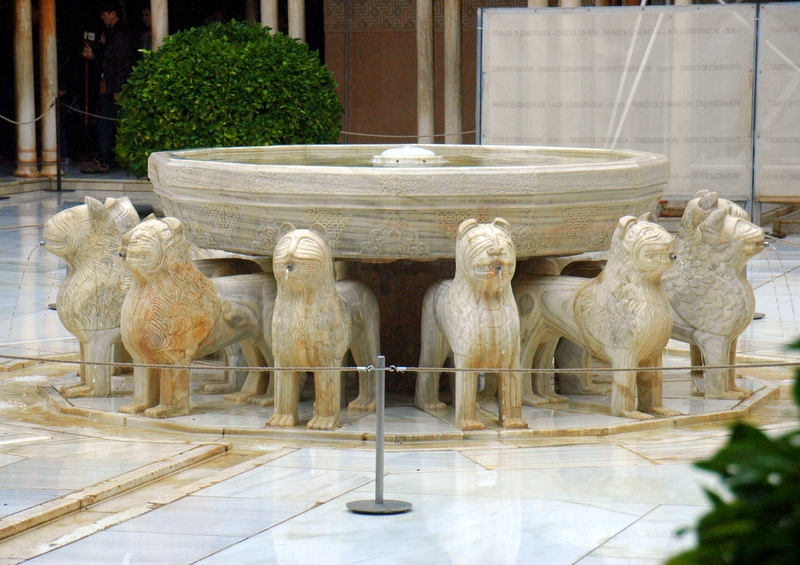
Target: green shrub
(225, 85)
(761, 523)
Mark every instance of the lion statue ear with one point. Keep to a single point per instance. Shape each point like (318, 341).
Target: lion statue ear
(320, 230)
(502, 223)
(648, 217)
(99, 215)
(150, 217)
(174, 225)
(625, 223)
(712, 226)
(699, 194)
(285, 228)
(465, 226)
(708, 201)
(123, 212)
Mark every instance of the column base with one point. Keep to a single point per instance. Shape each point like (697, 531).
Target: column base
(49, 170)
(28, 170)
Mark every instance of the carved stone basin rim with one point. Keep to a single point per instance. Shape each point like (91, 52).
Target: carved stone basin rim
(559, 201)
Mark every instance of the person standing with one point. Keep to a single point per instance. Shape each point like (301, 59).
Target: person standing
(115, 54)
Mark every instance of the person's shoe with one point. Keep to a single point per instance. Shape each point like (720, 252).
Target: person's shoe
(94, 168)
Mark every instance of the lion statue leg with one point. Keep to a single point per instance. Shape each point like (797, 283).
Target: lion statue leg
(173, 392)
(96, 378)
(81, 373)
(433, 353)
(365, 352)
(327, 399)
(529, 343)
(287, 398)
(732, 371)
(230, 358)
(509, 400)
(465, 400)
(650, 388)
(716, 350)
(434, 350)
(696, 359)
(145, 387)
(543, 381)
(623, 386)
(255, 385)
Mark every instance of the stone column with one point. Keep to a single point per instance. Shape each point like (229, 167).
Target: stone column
(48, 88)
(537, 3)
(297, 19)
(425, 89)
(24, 90)
(452, 71)
(159, 26)
(269, 15)
(683, 2)
(570, 3)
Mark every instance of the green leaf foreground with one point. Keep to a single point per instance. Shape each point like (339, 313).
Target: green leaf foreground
(760, 523)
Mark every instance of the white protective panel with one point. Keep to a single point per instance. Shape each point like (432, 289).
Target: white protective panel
(777, 165)
(671, 80)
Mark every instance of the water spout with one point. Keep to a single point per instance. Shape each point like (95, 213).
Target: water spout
(19, 288)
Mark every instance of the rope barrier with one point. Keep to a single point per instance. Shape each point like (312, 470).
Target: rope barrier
(396, 369)
(85, 113)
(42, 115)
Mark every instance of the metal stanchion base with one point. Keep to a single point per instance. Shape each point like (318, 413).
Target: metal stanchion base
(373, 507)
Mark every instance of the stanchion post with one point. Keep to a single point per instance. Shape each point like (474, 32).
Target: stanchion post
(379, 505)
(380, 401)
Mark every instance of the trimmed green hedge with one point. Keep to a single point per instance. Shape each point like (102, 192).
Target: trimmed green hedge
(225, 85)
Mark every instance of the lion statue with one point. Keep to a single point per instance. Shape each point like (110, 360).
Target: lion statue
(622, 317)
(173, 314)
(712, 301)
(473, 317)
(316, 320)
(87, 237)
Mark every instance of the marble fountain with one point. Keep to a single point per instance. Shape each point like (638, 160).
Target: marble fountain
(382, 209)
(392, 218)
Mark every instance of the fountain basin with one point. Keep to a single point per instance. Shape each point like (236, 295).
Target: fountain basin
(558, 201)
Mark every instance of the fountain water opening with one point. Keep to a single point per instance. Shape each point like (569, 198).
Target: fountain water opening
(407, 156)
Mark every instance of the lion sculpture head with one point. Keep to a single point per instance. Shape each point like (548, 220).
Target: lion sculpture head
(701, 206)
(154, 246)
(87, 238)
(86, 232)
(302, 257)
(708, 288)
(643, 244)
(485, 255)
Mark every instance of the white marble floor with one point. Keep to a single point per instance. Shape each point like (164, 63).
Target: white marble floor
(590, 500)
